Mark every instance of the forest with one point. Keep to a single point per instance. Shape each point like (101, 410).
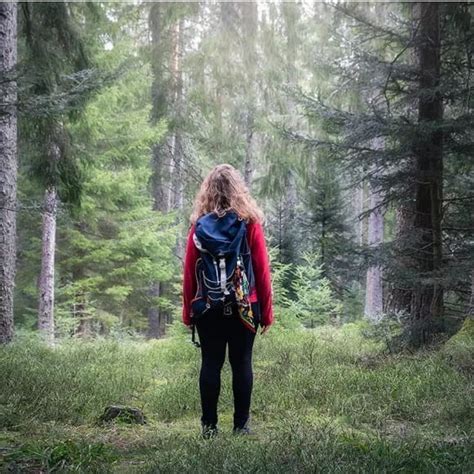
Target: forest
(352, 125)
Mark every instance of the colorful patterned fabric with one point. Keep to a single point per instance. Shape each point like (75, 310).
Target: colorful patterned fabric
(242, 291)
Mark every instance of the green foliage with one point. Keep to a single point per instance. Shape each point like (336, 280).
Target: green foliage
(58, 78)
(353, 303)
(371, 97)
(389, 331)
(327, 396)
(314, 302)
(293, 95)
(280, 273)
(113, 246)
(98, 374)
(63, 457)
(116, 245)
(325, 218)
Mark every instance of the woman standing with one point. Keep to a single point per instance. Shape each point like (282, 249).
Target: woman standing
(224, 196)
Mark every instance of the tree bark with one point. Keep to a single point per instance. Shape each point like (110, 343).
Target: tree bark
(80, 308)
(400, 274)
(178, 175)
(160, 197)
(178, 158)
(359, 206)
(289, 201)
(163, 58)
(46, 279)
(249, 148)
(84, 327)
(374, 290)
(8, 167)
(229, 16)
(249, 37)
(401, 286)
(156, 317)
(427, 299)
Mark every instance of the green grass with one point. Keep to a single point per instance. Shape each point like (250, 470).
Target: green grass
(326, 400)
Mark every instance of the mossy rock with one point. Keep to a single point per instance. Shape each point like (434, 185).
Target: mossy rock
(123, 414)
(465, 334)
(459, 349)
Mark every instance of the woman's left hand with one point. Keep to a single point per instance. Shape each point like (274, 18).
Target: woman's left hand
(264, 329)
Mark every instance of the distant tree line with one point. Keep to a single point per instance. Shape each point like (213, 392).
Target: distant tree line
(351, 124)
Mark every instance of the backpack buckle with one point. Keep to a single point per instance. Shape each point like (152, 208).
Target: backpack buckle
(228, 310)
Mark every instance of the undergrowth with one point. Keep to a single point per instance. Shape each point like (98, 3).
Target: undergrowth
(324, 400)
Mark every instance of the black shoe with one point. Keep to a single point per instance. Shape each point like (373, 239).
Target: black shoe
(209, 431)
(242, 430)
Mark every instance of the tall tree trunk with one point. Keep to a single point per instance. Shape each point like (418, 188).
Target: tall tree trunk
(401, 285)
(249, 148)
(179, 138)
(163, 51)
(8, 166)
(359, 205)
(168, 161)
(290, 14)
(80, 310)
(80, 314)
(427, 300)
(249, 11)
(374, 290)
(46, 279)
(160, 194)
(400, 281)
(229, 16)
(178, 47)
(173, 133)
(155, 317)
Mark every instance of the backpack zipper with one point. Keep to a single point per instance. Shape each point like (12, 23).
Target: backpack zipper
(215, 268)
(223, 277)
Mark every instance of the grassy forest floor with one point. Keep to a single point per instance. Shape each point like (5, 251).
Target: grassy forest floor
(324, 400)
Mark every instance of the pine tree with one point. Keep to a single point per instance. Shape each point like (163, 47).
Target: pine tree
(427, 306)
(414, 86)
(166, 23)
(53, 50)
(314, 302)
(115, 244)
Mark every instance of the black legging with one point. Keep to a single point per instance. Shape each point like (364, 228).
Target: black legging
(215, 332)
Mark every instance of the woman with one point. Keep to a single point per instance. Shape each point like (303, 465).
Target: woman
(224, 191)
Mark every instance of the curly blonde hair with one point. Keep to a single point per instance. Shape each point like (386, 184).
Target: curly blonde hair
(224, 189)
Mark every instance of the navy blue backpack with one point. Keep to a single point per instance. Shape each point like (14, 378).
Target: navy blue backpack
(224, 271)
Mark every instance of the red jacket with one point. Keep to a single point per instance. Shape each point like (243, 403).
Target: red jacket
(261, 269)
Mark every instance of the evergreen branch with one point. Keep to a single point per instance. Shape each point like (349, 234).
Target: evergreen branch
(362, 20)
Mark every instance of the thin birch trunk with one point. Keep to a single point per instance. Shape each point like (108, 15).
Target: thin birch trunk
(46, 279)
